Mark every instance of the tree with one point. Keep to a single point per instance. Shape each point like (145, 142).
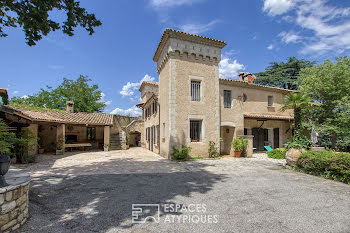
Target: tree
(329, 84)
(283, 74)
(6, 138)
(86, 98)
(299, 102)
(34, 17)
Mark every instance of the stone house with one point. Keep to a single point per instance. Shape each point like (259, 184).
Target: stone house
(191, 105)
(74, 130)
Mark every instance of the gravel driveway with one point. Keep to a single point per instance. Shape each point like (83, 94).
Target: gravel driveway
(94, 192)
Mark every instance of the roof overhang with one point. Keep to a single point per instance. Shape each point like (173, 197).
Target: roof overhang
(264, 116)
(228, 124)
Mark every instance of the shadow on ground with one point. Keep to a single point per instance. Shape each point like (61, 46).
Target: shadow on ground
(98, 202)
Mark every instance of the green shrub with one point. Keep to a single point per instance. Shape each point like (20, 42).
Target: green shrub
(213, 149)
(299, 141)
(181, 154)
(327, 164)
(278, 153)
(239, 144)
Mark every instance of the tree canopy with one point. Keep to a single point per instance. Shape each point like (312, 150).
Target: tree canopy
(87, 98)
(329, 85)
(283, 74)
(34, 17)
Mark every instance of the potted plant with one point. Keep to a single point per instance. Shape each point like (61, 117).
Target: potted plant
(124, 146)
(106, 147)
(239, 145)
(59, 147)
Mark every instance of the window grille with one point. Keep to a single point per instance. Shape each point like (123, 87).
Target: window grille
(195, 130)
(196, 90)
(227, 99)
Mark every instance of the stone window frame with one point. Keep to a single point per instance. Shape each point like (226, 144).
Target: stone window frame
(202, 87)
(202, 135)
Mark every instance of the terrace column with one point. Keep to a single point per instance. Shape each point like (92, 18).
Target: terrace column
(60, 135)
(106, 136)
(249, 131)
(270, 135)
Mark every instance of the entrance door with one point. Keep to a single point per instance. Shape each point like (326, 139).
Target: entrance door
(260, 136)
(276, 137)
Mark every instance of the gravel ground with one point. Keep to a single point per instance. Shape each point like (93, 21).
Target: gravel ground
(94, 192)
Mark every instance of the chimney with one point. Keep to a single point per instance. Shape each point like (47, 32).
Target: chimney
(70, 106)
(246, 77)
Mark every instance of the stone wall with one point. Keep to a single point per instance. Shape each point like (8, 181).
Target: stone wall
(14, 201)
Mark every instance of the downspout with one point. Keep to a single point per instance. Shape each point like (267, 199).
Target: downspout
(158, 133)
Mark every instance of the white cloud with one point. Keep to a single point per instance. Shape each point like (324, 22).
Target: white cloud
(289, 37)
(198, 28)
(323, 28)
(25, 97)
(15, 92)
(277, 7)
(133, 111)
(130, 88)
(270, 47)
(171, 3)
(102, 100)
(229, 68)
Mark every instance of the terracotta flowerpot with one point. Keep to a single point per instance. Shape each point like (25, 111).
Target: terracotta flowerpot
(238, 154)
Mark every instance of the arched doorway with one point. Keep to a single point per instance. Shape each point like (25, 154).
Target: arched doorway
(135, 139)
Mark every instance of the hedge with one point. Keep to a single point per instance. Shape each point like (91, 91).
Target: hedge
(327, 164)
(278, 153)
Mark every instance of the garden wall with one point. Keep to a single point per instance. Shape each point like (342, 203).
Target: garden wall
(14, 201)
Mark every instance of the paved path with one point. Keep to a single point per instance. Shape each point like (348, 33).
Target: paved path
(94, 192)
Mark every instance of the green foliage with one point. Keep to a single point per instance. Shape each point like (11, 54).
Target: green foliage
(299, 141)
(239, 144)
(278, 153)
(59, 143)
(4, 99)
(25, 141)
(300, 103)
(329, 84)
(127, 136)
(86, 98)
(34, 17)
(213, 149)
(181, 154)
(6, 139)
(328, 164)
(124, 146)
(283, 74)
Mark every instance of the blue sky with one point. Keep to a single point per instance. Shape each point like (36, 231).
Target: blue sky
(119, 55)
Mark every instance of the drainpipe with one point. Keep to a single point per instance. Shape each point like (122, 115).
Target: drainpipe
(158, 133)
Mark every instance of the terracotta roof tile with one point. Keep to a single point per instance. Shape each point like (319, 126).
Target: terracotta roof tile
(66, 117)
(272, 116)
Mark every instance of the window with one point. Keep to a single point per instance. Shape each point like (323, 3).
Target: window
(245, 131)
(91, 133)
(196, 90)
(270, 100)
(227, 99)
(195, 130)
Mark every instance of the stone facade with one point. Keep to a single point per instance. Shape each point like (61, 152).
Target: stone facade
(184, 58)
(14, 201)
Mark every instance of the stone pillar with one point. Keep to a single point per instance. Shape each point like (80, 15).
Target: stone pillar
(270, 135)
(249, 149)
(33, 144)
(106, 136)
(249, 131)
(60, 135)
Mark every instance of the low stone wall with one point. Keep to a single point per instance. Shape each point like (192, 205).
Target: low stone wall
(14, 201)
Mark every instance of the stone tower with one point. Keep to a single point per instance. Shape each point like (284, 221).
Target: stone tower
(188, 91)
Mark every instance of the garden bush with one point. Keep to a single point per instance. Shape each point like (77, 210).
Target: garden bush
(182, 154)
(278, 153)
(328, 164)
